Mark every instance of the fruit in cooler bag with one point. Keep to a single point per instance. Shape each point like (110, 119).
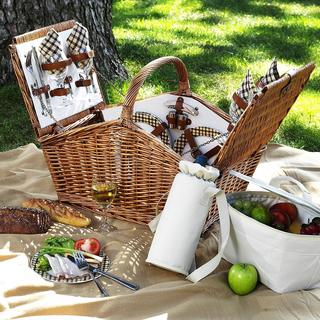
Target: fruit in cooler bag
(261, 214)
(281, 220)
(254, 210)
(310, 229)
(288, 208)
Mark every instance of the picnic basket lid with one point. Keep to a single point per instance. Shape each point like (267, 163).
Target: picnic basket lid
(262, 117)
(85, 116)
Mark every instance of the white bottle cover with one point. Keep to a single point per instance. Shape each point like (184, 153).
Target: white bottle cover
(183, 218)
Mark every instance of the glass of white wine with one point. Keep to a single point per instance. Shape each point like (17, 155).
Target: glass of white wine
(104, 192)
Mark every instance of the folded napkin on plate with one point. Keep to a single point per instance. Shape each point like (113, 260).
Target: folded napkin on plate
(51, 50)
(78, 42)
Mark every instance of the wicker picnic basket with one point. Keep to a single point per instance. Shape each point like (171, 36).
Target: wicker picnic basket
(142, 166)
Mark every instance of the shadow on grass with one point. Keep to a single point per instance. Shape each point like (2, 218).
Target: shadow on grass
(288, 42)
(245, 7)
(297, 134)
(314, 83)
(15, 126)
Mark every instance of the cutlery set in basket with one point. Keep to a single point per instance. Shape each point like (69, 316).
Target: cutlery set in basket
(139, 143)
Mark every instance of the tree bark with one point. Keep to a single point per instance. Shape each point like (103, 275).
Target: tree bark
(18, 17)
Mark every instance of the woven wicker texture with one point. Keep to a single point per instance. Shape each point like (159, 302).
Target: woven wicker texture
(263, 117)
(141, 165)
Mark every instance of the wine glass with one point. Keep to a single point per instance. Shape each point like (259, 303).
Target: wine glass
(104, 192)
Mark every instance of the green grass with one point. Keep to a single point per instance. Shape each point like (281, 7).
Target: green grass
(218, 41)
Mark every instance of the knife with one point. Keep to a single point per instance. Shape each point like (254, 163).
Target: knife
(35, 85)
(125, 283)
(39, 71)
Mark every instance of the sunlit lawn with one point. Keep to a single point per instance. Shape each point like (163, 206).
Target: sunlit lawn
(218, 41)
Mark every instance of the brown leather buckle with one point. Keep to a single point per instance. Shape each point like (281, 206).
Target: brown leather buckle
(81, 56)
(41, 90)
(59, 92)
(182, 121)
(172, 119)
(192, 143)
(239, 101)
(83, 83)
(56, 65)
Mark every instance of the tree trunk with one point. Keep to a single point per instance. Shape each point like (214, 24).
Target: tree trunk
(18, 17)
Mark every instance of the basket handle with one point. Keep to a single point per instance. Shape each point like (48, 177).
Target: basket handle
(138, 80)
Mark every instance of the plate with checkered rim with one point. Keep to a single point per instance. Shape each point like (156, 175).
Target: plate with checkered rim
(104, 266)
(153, 121)
(181, 142)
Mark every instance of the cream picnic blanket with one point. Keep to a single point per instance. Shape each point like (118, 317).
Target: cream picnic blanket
(163, 294)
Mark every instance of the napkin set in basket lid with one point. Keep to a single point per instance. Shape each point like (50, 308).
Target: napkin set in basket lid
(285, 261)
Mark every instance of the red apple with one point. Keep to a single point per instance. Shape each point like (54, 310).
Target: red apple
(280, 218)
(289, 208)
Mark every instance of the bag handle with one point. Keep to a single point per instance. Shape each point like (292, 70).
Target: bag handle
(223, 209)
(138, 80)
(278, 181)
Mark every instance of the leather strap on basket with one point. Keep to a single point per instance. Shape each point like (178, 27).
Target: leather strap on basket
(212, 152)
(59, 92)
(83, 83)
(138, 80)
(81, 56)
(192, 143)
(239, 101)
(56, 65)
(159, 129)
(41, 90)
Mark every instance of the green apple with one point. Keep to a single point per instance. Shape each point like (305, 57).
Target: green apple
(248, 206)
(242, 278)
(260, 213)
(238, 205)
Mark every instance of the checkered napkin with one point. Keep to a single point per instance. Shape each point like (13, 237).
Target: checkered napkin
(246, 91)
(51, 50)
(271, 75)
(78, 42)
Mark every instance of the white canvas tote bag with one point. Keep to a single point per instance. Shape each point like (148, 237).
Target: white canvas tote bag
(285, 261)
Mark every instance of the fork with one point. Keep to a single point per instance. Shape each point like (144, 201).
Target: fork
(83, 265)
(125, 283)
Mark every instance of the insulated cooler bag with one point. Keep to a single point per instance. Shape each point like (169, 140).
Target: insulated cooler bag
(285, 261)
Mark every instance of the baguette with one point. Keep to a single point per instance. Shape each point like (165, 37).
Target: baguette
(59, 212)
(23, 220)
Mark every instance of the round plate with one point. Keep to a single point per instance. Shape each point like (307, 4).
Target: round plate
(104, 266)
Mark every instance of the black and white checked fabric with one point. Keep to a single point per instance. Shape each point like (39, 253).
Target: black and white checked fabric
(181, 142)
(78, 42)
(51, 50)
(246, 91)
(153, 121)
(271, 75)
